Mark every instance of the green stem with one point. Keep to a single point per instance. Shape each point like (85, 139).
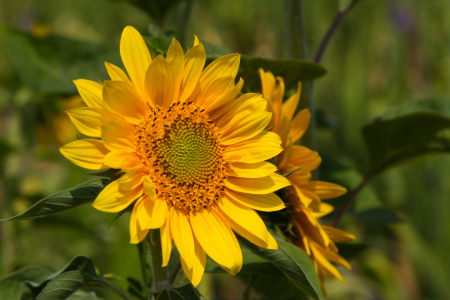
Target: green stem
(160, 278)
(248, 289)
(184, 22)
(145, 268)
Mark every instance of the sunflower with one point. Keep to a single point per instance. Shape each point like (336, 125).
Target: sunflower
(191, 151)
(304, 196)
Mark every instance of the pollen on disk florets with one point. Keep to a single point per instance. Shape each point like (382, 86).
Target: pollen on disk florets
(180, 147)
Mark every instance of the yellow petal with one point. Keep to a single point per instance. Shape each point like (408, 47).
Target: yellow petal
(136, 233)
(304, 157)
(153, 213)
(160, 82)
(116, 73)
(323, 261)
(255, 170)
(135, 57)
(264, 185)
(118, 135)
(182, 236)
(89, 120)
(86, 153)
(325, 190)
(337, 235)
(217, 239)
(214, 90)
(149, 187)
(122, 99)
(225, 98)
(284, 157)
(131, 180)
(300, 124)
(112, 200)
(267, 83)
(227, 65)
(129, 163)
(114, 159)
(248, 102)
(91, 92)
(289, 106)
(263, 146)
(299, 177)
(196, 41)
(277, 100)
(195, 273)
(247, 223)
(175, 57)
(166, 239)
(267, 202)
(324, 210)
(194, 61)
(245, 127)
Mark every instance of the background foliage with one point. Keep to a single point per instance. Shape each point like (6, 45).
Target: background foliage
(387, 59)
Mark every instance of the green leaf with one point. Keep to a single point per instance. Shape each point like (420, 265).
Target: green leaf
(51, 64)
(270, 288)
(156, 9)
(378, 215)
(64, 200)
(292, 70)
(11, 286)
(185, 292)
(393, 142)
(252, 264)
(293, 262)
(79, 273)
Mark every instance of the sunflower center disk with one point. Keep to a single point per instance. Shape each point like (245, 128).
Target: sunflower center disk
(181, 150)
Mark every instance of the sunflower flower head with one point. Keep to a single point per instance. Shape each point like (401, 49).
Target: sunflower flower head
(304, 195)
(192, 153)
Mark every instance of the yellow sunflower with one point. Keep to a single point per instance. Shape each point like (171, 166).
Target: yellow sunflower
(192, 153)
(305, 196)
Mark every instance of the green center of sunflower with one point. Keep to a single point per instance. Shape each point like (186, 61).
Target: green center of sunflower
(181, 149)
(189, 153)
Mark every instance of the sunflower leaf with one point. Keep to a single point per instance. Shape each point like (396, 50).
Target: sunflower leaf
(293, 262)
(185, 292)
(11, 286)
(292, 70)
(79, 273)
(64, 200)
(397, 140)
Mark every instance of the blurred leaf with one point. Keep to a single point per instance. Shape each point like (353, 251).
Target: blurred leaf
(215, 50)
(252, 264)
(379, 215)
(293, 262)
(64, 200)
(185, 292)
(11, 287)
(292, 71)
(51, 64)
(270, 288)
(156, 9)
(135, 288)
(79, 273)
(351, 251)
(112, 174)
(394, 142)
(159, 44)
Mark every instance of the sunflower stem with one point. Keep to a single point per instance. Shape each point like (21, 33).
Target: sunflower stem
(160, 278)
(145, 268)
(298, 48)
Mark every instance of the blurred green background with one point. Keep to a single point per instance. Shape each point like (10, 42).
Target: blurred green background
(385, 56)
